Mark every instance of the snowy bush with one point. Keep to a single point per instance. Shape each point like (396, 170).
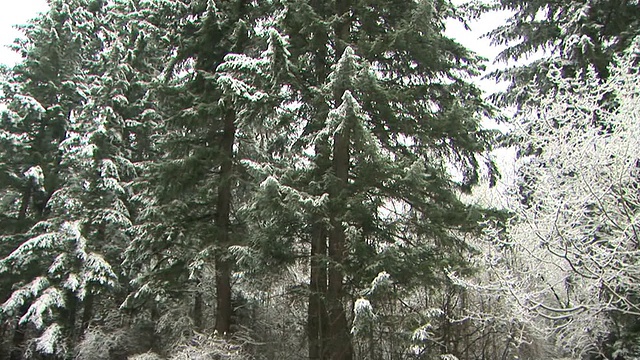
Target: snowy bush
(207, 347)
(96, 345)
(145, 356)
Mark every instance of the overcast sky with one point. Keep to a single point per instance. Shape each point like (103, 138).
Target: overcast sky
(15, 12)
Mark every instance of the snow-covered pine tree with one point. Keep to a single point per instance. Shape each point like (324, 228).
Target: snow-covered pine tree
(378, 112)
(50, 260)
(571, 35)
(369, 114)
(122, 118)
(190, 223)
(84, 66)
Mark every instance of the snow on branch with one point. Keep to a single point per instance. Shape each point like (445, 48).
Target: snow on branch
(50, 340)
(577, 205)
(41, 309)
(21, 296)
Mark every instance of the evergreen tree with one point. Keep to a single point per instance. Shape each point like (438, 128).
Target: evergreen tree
(84, 77)
(191, 188)
(53, 265)
(376, 111)
(572, 34)
(153, 145)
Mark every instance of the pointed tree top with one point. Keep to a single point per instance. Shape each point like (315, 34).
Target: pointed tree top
(344, 72)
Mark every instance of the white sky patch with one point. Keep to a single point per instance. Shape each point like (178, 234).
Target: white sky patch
(12, 13)
(473, 39)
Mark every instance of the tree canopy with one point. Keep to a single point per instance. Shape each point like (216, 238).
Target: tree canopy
(296, 179)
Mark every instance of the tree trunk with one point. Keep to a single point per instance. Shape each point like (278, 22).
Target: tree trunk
(340, 345)
(87, 312)
(197, 314)
(317, 317)
(156, 343)
(224, 309)
(69, 323)
(317, 313)
(26, 198)
(17, 342)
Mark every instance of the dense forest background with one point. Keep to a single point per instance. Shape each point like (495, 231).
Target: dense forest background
(309, 179)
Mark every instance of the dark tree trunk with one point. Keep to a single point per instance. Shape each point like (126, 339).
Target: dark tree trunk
(340, 343)
(17, 342)
(317, 316)
(26, 198)
(317, 321)
(156, 344)
(87, 312)
(340, 337)
(69, 323)
(197, 314)
(224, 308)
